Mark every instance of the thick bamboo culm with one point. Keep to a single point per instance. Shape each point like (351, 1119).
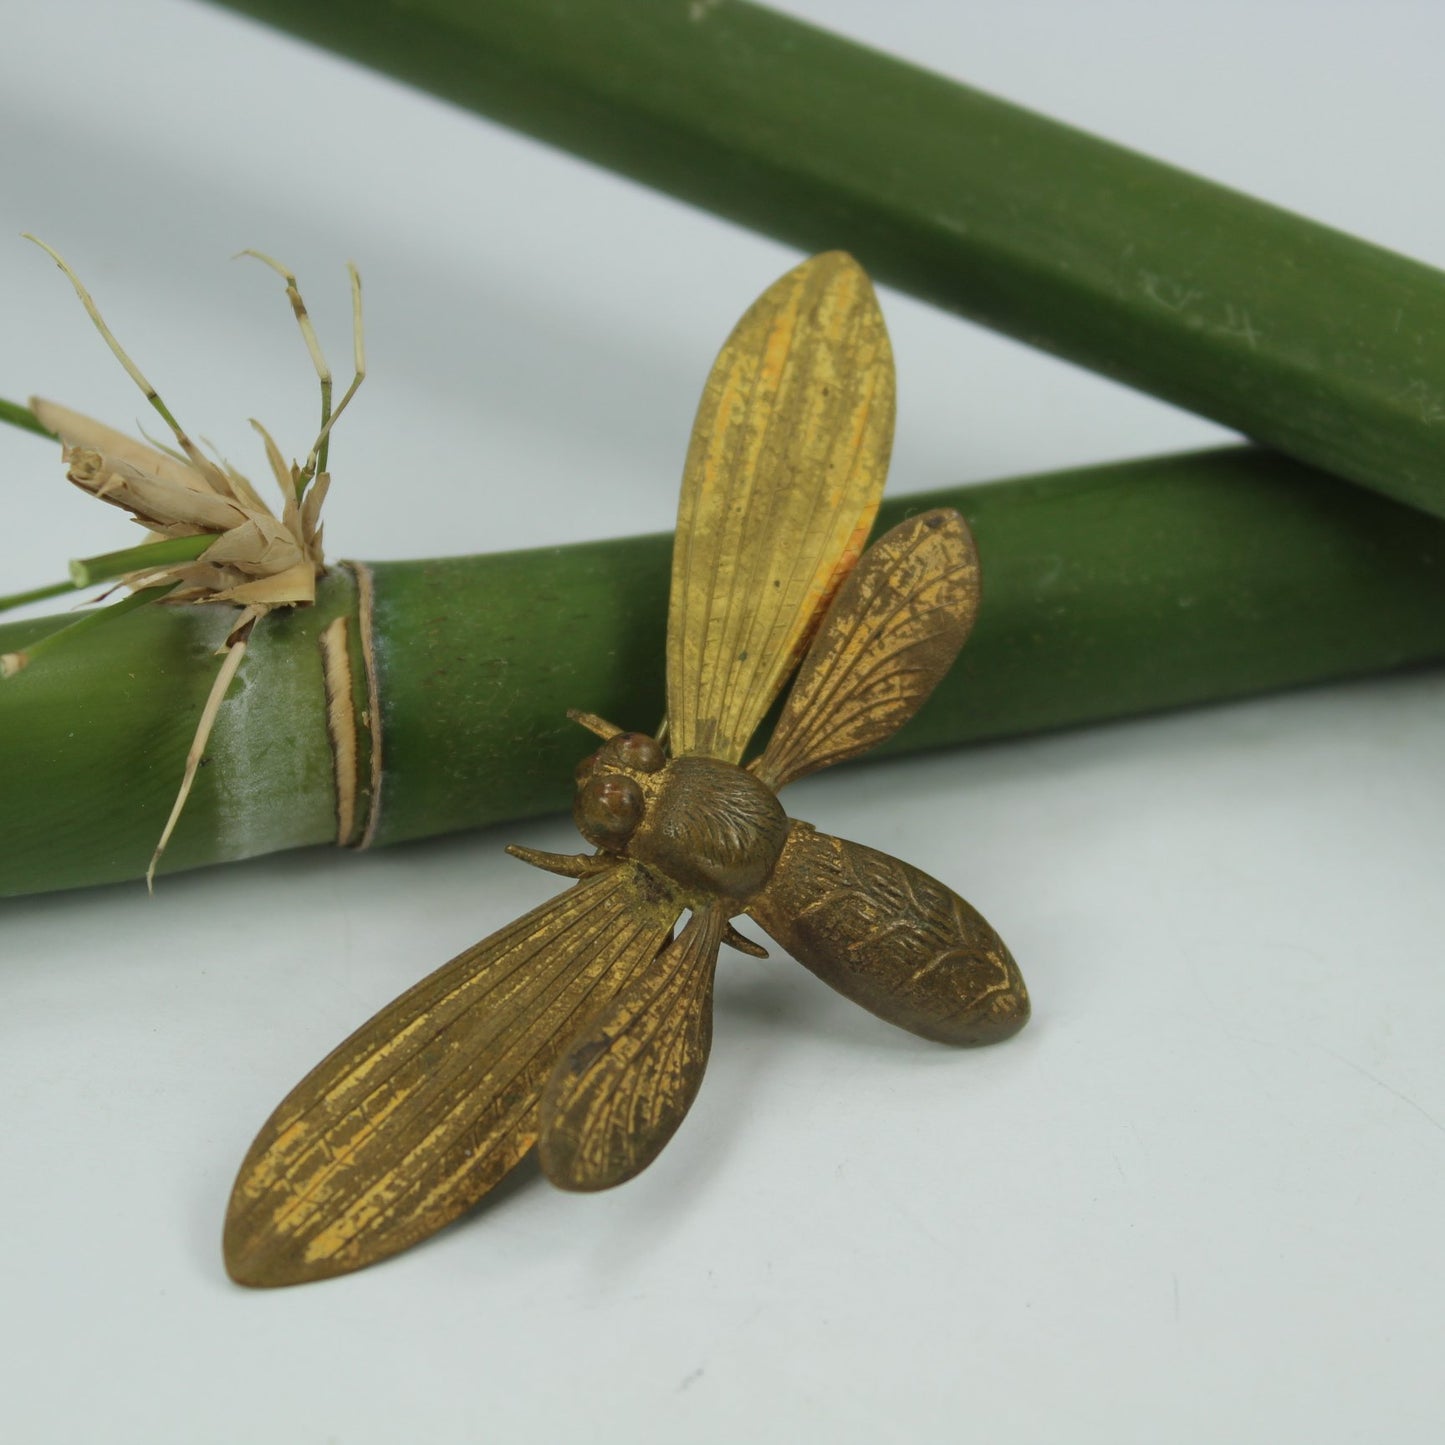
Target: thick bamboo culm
(1107, 592)
(1296, 335)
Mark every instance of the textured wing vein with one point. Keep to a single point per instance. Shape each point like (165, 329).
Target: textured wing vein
(893, 939)
(892, 633)
(622, 1090)
(786, 467)
(424, 1108)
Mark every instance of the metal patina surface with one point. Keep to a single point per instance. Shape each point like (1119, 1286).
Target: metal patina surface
(584, 1027)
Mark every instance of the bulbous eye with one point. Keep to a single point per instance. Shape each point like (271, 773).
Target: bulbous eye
(607, 810)
(636, 751)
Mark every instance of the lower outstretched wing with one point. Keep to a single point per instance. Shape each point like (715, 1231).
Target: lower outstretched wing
(627, 1082)
(892, 939)
(890, 635)
(422, 1110)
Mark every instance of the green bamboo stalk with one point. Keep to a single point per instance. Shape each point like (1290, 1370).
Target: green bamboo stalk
(1110, 591)
(35, 594)
(1296, 335)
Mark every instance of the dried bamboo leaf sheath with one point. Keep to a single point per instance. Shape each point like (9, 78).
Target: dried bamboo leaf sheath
(1109, 591)
(1294, 334)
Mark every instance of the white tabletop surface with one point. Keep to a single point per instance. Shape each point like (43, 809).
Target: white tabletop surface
(1198, 1200)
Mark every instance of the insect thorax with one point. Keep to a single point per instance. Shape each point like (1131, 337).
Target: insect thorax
(712, 826)
(708, 825)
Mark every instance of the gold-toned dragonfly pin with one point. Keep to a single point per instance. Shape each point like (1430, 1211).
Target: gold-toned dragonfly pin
(584, 1027)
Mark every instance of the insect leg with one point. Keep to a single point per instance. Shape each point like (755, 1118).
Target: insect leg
(568, 865)
(742, 942)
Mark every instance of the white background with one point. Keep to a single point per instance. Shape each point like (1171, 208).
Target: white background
(1199, 1199)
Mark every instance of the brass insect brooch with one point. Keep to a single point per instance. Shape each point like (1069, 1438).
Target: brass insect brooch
(584, 1027)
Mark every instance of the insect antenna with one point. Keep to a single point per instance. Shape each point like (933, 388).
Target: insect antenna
(593, 723)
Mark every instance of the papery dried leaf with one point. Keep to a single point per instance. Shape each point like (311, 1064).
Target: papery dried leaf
(79, 432)
(260, 546)
(205, 579)
(285, 479)
(160, 502)
(244, 492)
(292, 588)
(311, 509)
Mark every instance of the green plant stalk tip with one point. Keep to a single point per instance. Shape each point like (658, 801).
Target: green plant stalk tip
(87, 571)
(16, 415)
(1108, 592)
(88, 622)
(1296, 335)
(35, 594)
(90, 571)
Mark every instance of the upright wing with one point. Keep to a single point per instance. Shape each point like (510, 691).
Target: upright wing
(786, 467)
(891, 634)
(627, 1082)
(422, 1110)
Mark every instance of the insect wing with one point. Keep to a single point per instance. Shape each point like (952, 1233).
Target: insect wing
(422, 1110)
(625, 1086)
(890, 635)
(786, 467)
(893, 939)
